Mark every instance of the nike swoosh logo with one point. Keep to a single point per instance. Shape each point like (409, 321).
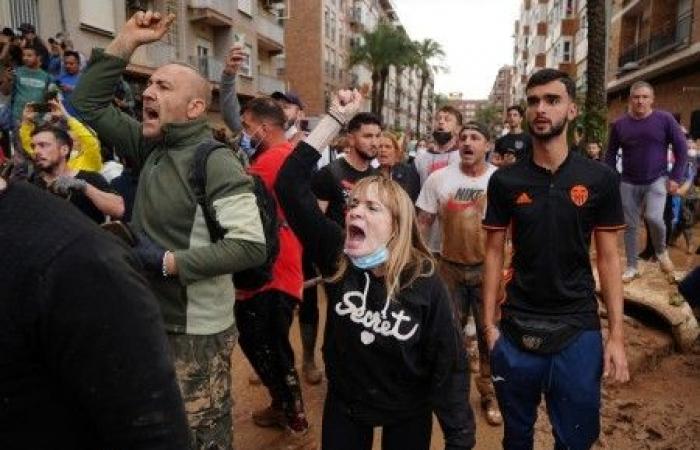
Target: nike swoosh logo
(497, 378)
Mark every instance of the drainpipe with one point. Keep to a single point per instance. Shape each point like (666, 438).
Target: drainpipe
(63, 17)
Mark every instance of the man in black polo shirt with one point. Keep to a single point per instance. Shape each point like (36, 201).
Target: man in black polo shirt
(549, 339)
(515, 145)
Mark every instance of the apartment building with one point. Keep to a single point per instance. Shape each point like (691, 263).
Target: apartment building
(657, 41)
(501, 93)
(320, 34)
(201, 35)
(549, 33)
(468, 108)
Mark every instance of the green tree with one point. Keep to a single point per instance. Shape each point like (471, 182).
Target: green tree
(379, 50)
(489, 115)
(427, 51)
(594, 117)
(407, 59)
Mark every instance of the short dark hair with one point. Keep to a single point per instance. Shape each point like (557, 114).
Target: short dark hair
(32, 48)
(545, 76)
(363, 118)
(59, 133)
(449, 109)
(72, 53)
(518, 108)
(265, 108)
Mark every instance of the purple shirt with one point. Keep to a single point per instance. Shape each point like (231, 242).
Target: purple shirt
(644, 144)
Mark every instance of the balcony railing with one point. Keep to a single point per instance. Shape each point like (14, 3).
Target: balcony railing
(154, 55)
(220, 6)
(209, 67)
(659, 43)
(268, 84)
(270, 29)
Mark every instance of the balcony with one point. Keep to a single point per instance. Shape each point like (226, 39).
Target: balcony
(152, 56)
(268, 84)
(270, 34)
(657, 45)
(215, 13)
(209, 67)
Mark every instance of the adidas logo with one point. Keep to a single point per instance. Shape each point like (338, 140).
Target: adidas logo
(523, 199)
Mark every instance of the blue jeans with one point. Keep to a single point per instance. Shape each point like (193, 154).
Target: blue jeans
(570, 381)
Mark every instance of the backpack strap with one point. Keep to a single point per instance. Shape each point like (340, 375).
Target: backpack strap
(198, 182)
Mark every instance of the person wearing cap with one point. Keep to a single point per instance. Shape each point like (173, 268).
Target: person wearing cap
(293, 110)
(457, 195)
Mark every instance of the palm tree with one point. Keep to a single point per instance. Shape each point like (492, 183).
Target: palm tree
(426, 52)
(407, 59)
(378, 51)
(595, 106)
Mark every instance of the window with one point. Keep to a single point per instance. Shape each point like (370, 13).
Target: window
(203, 59)
(566, 55)
(333, 27)
(96, 15)
(327, 21)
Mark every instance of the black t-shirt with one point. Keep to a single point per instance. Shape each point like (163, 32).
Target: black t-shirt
(80, 200)
(84, 357)
(518, 143)
(553, 216)
(333, 184)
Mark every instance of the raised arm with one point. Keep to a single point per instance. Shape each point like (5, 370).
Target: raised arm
(228, 100)
(92, 97)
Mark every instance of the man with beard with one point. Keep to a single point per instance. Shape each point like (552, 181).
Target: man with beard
(457, 194)
(87, 191)
(190, 275)
(447, 125)
(333, 183)
(549, 340)
(516, 144)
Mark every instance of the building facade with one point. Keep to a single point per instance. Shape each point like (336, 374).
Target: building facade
(501, 96)
(202, 34)
(320, 35)
(549, 33)
(468, 108)
(657, 41)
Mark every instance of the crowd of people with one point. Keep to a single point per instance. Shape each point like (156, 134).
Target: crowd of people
(461, 254)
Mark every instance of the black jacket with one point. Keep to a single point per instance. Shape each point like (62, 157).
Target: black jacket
(386, 359)
(84, 360)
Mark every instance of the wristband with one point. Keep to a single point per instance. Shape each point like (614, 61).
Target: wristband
(336, 119)
(164, 267)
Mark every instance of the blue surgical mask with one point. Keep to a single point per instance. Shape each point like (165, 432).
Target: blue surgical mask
(253, 144)
(371, 261)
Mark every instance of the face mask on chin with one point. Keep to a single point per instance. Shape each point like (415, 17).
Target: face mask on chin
(442, 137)
(371, 261)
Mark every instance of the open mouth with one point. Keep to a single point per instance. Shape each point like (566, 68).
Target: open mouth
(355, 236)
(150, 114)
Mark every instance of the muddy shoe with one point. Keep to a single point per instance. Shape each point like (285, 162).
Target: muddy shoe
(491, 411)
(311, 373)
(473, 354)
(270, 417)
(299, 436)
(665, 263)
(630, 274)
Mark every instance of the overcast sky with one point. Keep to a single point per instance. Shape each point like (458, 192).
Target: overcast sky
(475, 34)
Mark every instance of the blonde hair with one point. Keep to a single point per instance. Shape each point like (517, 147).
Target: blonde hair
(409, 257)
(395, 143)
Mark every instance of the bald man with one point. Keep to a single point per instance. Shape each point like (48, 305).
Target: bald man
(190, 275)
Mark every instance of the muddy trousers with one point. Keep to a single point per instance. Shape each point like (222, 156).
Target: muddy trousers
(263, 323)
(341, 431)
(203, 370)
(570, 382)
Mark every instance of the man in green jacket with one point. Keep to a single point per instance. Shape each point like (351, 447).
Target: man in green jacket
(190, 275)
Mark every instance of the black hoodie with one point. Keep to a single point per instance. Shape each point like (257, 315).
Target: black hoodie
(386, 359)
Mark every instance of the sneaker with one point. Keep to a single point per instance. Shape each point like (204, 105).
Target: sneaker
(630, 274)
(665, 263)
(299, 440)
(271, 416)
(491, 411)
(311, 373)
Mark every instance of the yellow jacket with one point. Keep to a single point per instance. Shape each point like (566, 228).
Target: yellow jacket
(86, 154)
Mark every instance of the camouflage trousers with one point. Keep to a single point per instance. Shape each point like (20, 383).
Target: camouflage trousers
(464, 285)
(203, 369)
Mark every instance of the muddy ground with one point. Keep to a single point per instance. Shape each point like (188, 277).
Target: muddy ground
(658, 409)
